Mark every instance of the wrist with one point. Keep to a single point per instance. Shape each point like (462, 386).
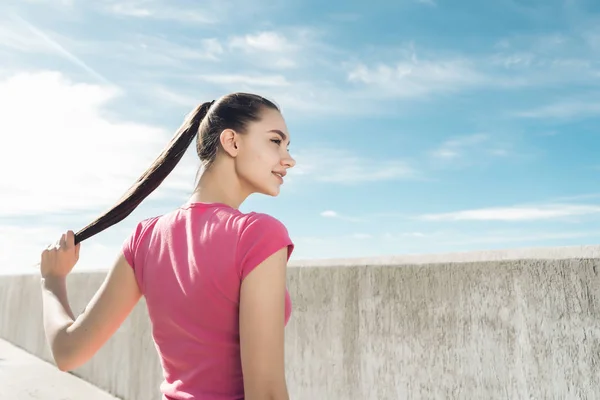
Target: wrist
(53, 281)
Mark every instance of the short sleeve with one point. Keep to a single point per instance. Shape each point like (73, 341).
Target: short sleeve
(261, 237)
(131, 244)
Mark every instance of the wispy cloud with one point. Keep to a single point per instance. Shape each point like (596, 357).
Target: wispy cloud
(407, 72)
(62, 3)
(516, 213)
(345, 17)
(457, 147)
(275, 49)
(344, 167)
(563, 110)
(268, 41)
(505, 239)
(17, 38)
(416, 78)
(159, 10)
(335, 215)
(585, 196)
(438, 242)
(476, 149)
(237, 80)
(430, 3)
(411, 77)
(60, 49)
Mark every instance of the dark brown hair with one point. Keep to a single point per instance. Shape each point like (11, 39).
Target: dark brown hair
(207, 121)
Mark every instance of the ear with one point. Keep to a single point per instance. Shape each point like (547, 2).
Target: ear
(229, 142)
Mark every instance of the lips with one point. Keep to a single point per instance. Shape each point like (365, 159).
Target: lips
(279, 175)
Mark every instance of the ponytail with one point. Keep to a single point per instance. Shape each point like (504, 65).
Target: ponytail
(152, 178)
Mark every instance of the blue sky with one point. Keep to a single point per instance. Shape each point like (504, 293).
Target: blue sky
(419, 126)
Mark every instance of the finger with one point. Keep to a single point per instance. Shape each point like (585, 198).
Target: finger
(70, 238)
(45, 256)
(77, 247)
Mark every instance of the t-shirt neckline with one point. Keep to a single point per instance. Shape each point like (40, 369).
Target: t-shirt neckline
(199, 204)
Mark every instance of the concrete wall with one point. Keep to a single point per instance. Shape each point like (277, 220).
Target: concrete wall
(491, 325)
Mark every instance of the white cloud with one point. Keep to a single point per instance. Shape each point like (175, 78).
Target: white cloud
(431, 3)
(63, 154)
(402, 236)
(515, 213)
(344, 167)
(264, 41)
(27, 243)
(329, 214)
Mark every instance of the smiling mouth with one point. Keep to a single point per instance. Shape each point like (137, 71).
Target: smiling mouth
(279, 176)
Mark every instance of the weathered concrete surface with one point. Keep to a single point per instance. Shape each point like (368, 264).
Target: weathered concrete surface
(488, 325)
(26, 377)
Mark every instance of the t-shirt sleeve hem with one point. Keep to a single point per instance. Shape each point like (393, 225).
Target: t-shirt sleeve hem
(261, 237)
(266, 254)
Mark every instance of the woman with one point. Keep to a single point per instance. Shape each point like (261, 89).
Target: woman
(214, 278)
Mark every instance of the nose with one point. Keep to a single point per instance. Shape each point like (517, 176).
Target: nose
(288, 161)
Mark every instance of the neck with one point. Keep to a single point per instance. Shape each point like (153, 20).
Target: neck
(219, 185)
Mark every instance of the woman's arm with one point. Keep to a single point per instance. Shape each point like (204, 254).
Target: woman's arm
(73, 341)
(262, 323)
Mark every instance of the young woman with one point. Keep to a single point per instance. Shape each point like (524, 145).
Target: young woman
(214, 278)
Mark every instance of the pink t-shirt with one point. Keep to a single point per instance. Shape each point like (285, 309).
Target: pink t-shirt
(189, 265)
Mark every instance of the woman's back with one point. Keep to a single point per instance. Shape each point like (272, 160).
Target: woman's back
(215, 316)
(189, 265)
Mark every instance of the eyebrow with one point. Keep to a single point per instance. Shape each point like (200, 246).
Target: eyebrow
(280, 133)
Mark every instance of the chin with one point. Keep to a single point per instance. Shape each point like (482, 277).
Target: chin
(273, 192)
(270, 191)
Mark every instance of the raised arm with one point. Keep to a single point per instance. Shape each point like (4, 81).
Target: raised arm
(73, 341)
(262, 323)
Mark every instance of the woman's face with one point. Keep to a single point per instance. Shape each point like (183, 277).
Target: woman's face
(263, 157)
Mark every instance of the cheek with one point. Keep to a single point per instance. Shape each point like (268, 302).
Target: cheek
(257, 163)
(263, 156)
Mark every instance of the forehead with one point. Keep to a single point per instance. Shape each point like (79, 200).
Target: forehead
(272, 121)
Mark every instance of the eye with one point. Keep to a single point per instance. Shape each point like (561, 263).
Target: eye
(276, 141)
